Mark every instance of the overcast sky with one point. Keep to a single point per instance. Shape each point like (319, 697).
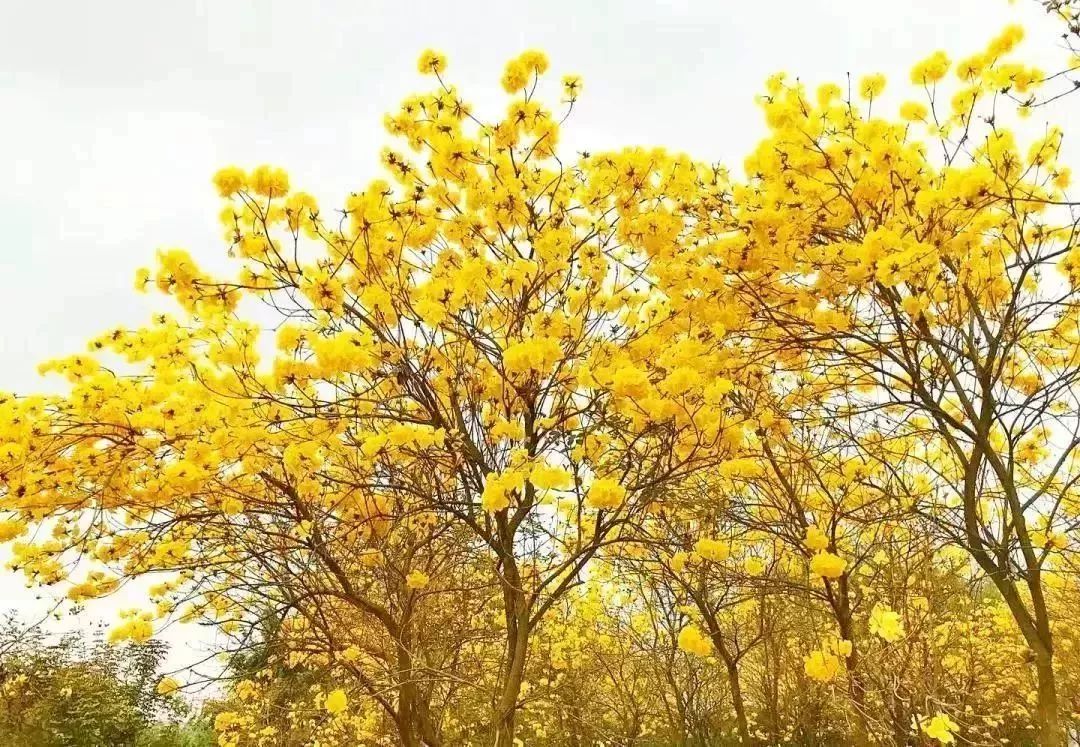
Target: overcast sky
(116, 114)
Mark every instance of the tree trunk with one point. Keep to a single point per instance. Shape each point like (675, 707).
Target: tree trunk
(1039, 638)
(738, 702)
(842, 608)
(1046, 711)
(516, 613)
(517, 648)
(731, 664)
(406, 733)
(428, 732)
(504, 726)
(406, 717)
(506, 709)
(772, 690)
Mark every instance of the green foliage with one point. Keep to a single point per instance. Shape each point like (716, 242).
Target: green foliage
(78, 691)
(196, 734)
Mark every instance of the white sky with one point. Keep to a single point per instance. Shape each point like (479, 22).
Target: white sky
(116, 114)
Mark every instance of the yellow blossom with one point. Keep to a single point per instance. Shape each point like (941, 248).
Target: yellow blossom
(337, 702)
(885, 623)
(431, 62)
(822, 666)
(711, 549)
(827, 565)
(605, 493)
(417, 580)
(941, 728)
(693, 641)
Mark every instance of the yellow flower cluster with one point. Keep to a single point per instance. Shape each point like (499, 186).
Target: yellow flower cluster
(941, 728)
(886, 624)
(693, 641)
(712, 549)
(605, 494)
(827, 565)
(822, 666)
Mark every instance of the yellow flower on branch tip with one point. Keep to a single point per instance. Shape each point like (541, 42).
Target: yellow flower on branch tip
(515, 76)
(711, 549)
(754, 566)
(497, 489)
(514, 430)
(135, 629)
(827, 565)
(550, 477)
(714, 392)
(941, 728)
(536, 355)
(417, 580)
(270, 181)
(931, 70)
(431, 62)
(871, 86)
(167, 686)
(336, 702)
(571, 86)
(630, 382)
(230, 180)
(821, 666)
(680, 381)
(11, 528)
(886, 624)
(1006, 41)
(678, 562)
(816, 539)
(913, 111)
(914, 306)
(693, 641)
(142, 279)
(605, 494)
(534, 60)
(232, 506)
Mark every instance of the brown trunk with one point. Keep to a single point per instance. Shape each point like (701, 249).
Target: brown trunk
(406, 719)
(517, 648)
(506, 709)
(1046, 712)
(901, 721)
(504, 728)
(731, 664)
(428, 733)
(1046, 704)
(406, 733)
(1037, 635)
(1034, 623)
(842, 609)
(772, 689)
(737, 702)
(415, 727)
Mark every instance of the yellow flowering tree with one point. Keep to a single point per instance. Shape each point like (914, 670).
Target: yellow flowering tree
(490, 349)
(517, 446)
(922, 270)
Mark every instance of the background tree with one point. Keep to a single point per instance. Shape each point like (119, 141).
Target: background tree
(936, 299)
(76, 692)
